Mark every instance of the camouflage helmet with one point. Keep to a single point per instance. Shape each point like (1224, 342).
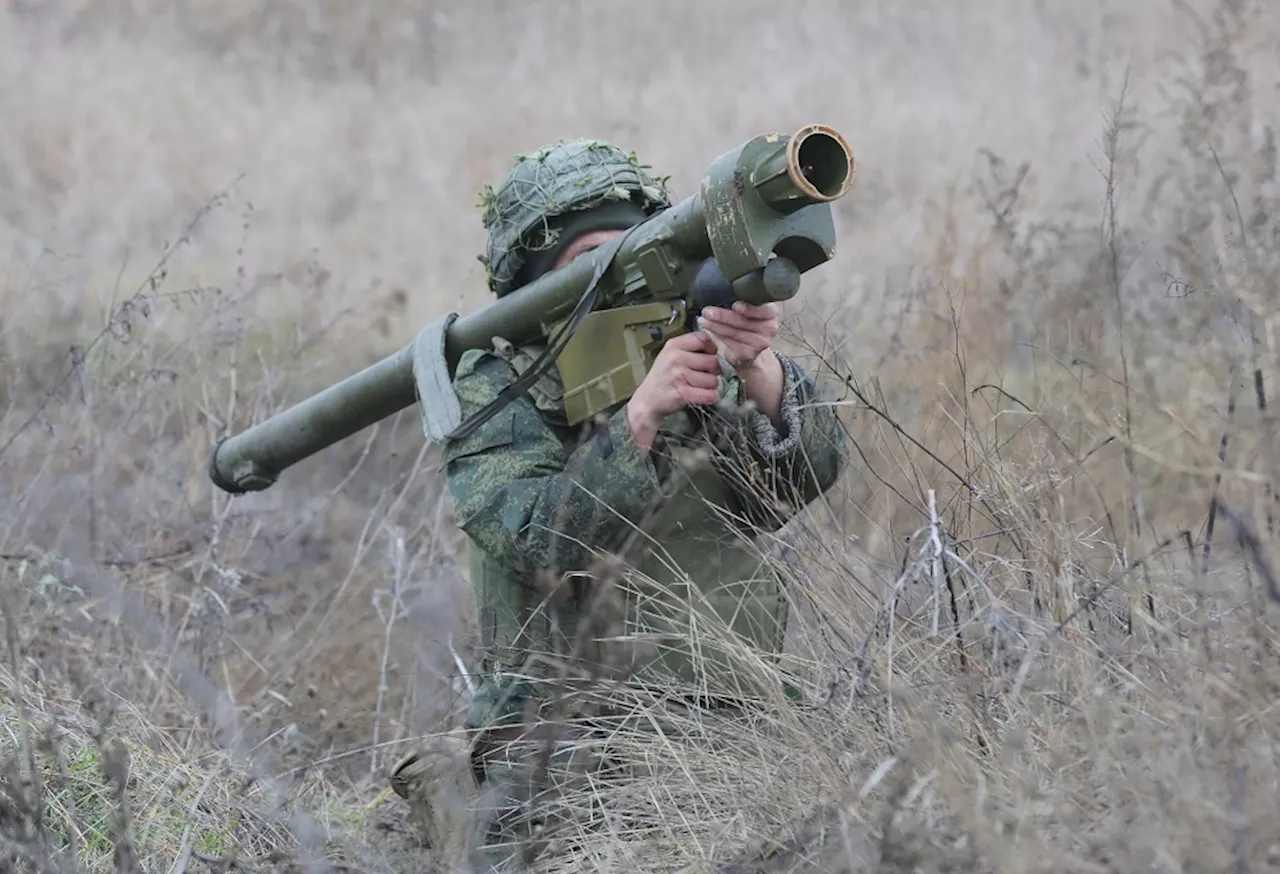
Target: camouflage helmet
(554, 180)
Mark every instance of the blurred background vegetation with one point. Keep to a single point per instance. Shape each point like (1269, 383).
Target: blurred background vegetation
(1049, 325)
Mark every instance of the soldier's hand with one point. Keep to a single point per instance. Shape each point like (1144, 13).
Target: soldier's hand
(686, 371)
(746, 331)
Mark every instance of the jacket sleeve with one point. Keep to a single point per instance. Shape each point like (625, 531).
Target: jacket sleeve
(523, 498)
(777, 470)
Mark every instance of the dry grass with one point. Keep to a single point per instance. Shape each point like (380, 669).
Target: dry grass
(1036, 623)
(67, 775)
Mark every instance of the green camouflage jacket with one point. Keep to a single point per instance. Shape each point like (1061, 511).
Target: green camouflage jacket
(534, 494)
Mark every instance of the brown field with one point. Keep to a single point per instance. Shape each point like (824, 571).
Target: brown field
(1038, 619)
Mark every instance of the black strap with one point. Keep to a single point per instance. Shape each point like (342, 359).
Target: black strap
(548, 356)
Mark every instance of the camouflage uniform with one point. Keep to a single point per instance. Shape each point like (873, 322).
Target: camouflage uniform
(539, 498)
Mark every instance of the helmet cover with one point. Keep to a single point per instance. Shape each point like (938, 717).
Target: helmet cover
(554, 180)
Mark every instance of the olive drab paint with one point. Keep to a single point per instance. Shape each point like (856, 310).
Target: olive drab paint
(761, 217)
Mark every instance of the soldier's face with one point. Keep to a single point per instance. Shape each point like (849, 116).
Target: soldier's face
(584, 243)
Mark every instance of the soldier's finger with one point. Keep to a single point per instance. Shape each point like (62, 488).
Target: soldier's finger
(716, 318)
(693, 395)
(752, 338)
(693, 341)
(700, 379)
(725, 320)
(760, 312)
(705, 361)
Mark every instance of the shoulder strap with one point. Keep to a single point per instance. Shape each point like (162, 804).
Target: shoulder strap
(588, 302)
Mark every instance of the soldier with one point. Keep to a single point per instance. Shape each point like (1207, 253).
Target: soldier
(721, 442)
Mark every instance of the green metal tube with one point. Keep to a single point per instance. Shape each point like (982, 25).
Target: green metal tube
(751, 206)
(252, 460)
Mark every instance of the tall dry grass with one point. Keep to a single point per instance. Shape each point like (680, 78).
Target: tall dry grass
(1036, 621)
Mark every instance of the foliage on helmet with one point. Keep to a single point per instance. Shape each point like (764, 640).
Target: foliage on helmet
(566, 176)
